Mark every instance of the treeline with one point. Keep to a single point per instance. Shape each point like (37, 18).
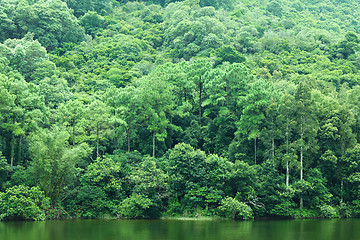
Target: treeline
(235, 109)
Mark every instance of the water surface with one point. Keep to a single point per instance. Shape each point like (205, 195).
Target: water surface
(346, 229)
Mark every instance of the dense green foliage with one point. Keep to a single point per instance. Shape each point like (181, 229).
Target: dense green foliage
(128, 109)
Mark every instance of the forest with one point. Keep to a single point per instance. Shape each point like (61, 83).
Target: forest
(236, 109)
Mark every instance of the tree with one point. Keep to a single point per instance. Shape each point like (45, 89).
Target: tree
(23, 113)
(51, 21)
(70, 115)
(150, 182)
(54, 162)
(258, 97)
(196, 72)
(234, 209)
(82, 7)
(4, 171)
(97, 113)
(306, 124)
(124, 107)
(23, 203)
(156, 105)
(224, 86)
(287, 124)
(102, 186)
(92, 23)
(186, 169)
(191, 30)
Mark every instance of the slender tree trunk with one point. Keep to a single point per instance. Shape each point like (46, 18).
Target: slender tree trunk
(128, 140)
(73, 134)
(154, 140)
(97, 141)
(200, 99)
(287, 152)
(287, 174)
(255, 150)
(12, 151)
(273, 149)
(128, 132)
(301, 163)
(341, 189)
(301, 152)
(20, 147)
(301, 158)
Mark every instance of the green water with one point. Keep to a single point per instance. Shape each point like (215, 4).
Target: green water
(181, 230)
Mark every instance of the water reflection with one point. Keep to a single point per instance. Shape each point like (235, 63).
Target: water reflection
(180, 230)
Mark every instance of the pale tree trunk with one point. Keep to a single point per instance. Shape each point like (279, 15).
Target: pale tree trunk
(73, 134)
(12, 153)
(287, 174)
(128, 136)
(287, 152)
(20, 147)
(128, 140)
(200, 100)
(301, 152)
(341, 189)
(154, 140)
(273, 150)
(97, 141)
(301, 157)
(255, 150)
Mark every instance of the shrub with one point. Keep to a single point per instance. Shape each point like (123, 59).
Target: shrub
(23, 203)
(328, 211)
(135, 206)
(232, 208)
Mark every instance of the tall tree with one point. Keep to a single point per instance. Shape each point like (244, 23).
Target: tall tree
(98, 114)
(70, 114)
(54, 162)
(307, 125)
(254, 104)
(156, 105)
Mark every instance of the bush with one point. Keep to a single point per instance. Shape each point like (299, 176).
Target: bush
(232, 208)
(328, 211)
(305, 213)
(135, 206)
(284, 209)
(23, 203)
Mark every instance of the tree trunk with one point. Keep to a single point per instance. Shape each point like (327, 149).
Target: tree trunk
(200, 99)
(287, 174)
(20, 147)
(301, 158)
(73, 134)
(97, 141)
(255, 150)
(154, 139)
(341, 189)
(301, 163)
(273, 150)
(287, 152)
(12, 151)
(128, 140)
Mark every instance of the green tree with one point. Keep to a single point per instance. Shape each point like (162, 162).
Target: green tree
(54, 162)
(156, 105)
(51, 21)
(70, 115)
(97, 113)
(23, 113)
(257, 98)
(234, 209)
(23, 203)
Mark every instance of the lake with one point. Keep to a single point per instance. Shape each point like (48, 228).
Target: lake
(334, 229)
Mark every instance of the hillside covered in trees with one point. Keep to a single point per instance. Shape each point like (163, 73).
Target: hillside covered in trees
(148, 109)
